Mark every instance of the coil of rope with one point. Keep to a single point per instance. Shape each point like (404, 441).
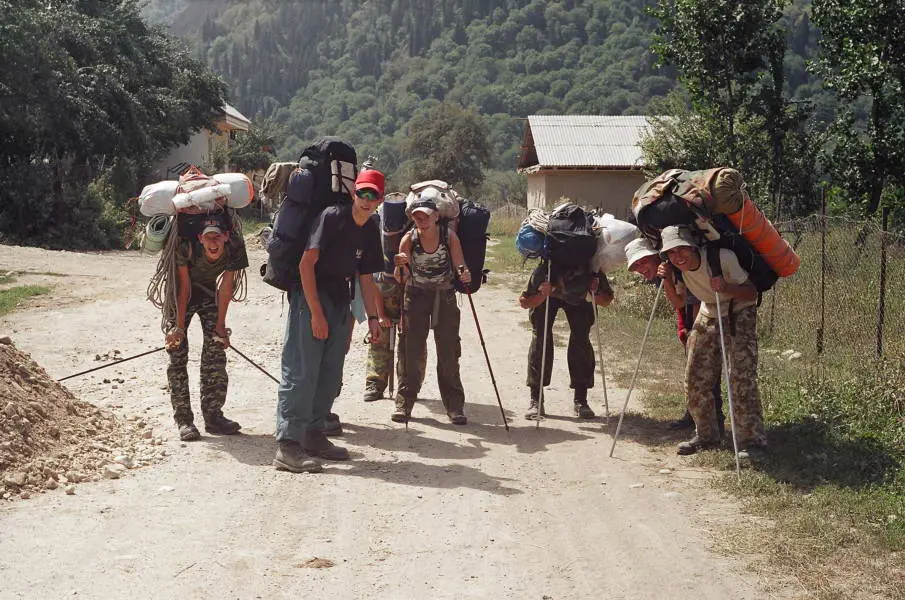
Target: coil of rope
(538, 219)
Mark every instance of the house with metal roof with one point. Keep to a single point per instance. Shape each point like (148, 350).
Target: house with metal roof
(590, 160)
(202, 145)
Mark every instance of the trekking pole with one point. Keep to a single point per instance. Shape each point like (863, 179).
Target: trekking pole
(631, 387)
(487, 358)
(543, 357)
(606, 402)
(738, 466)
(116, 362)
(255, 365)
(391, 380)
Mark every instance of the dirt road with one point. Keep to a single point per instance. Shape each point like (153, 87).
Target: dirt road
(435, 512)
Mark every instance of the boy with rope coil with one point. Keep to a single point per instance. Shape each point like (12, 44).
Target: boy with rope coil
(207, 272)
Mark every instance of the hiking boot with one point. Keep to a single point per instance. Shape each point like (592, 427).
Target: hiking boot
(219, 424)
(188, 432)
(317, 444)
(583, 411)
(531, 413)
(332, 426)
(695, 444)
(372, 395)
(686, 422)
(290, 457)
(457, 417)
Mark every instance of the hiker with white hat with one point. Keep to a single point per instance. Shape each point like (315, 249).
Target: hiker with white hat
(199, 265)
(644, 259)
(727, 323)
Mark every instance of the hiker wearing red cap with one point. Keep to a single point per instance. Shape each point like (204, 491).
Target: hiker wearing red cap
(344, 241)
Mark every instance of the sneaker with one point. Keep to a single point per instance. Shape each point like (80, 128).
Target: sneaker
(531, 414)
(290, 457)
(457, 417)
(583, 411)
(372, 395)
(686, 422)
(219, 424)
(317, 444)
(188, 432)
(695, 444)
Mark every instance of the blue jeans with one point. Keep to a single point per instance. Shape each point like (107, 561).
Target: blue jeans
(311, 370)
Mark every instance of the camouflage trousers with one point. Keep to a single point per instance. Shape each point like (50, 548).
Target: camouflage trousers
(214, 380)
(703, 369)
(380, 354)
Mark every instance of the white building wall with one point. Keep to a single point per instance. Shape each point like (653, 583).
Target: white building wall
(196, 152)
(610, 191)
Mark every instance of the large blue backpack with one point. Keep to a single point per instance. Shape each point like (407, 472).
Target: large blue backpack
(325, 177)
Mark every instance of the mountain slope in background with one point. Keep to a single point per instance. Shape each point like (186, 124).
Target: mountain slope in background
(363, 70)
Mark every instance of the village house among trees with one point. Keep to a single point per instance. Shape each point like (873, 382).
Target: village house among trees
(594, 161)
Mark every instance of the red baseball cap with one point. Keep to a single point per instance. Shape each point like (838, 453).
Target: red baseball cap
(370, 179)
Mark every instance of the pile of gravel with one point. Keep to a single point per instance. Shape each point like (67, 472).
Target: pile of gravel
(50, 439)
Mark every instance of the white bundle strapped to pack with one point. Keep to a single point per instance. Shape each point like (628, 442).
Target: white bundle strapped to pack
(163, 198)
(204, 198)
(241, 191)
(157, 198)
(446, 198)
(612, 237)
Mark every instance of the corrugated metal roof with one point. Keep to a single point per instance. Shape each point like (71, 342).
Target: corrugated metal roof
(588, 141)
(235, 118)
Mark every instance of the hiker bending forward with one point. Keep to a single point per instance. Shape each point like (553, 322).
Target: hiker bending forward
(738, 310)
(198, 267)
(429, 257)
(344, 240)
(568, 291)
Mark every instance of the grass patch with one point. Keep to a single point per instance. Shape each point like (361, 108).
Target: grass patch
(504, 227)
(6, 278)
(833, 483)
(10, 299)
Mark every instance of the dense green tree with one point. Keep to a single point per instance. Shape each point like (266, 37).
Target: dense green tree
(89, 94)
(449, 143)
(862, 57)
(730, 57)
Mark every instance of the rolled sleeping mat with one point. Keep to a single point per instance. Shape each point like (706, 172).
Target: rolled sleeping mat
(764, 238)
(392, 213)
(156, 233)
(157, 198)
(726, 190)
(241, 192)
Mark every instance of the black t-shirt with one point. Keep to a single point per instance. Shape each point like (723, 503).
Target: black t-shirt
(345, 249)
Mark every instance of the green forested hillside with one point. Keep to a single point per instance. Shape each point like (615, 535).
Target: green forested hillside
(363, 70)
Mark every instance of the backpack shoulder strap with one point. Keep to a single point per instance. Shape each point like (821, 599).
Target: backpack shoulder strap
(713, 260)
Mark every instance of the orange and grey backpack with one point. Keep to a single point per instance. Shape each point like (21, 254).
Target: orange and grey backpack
(715, 204)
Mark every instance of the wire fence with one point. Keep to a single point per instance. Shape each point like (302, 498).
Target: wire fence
(846, 303)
